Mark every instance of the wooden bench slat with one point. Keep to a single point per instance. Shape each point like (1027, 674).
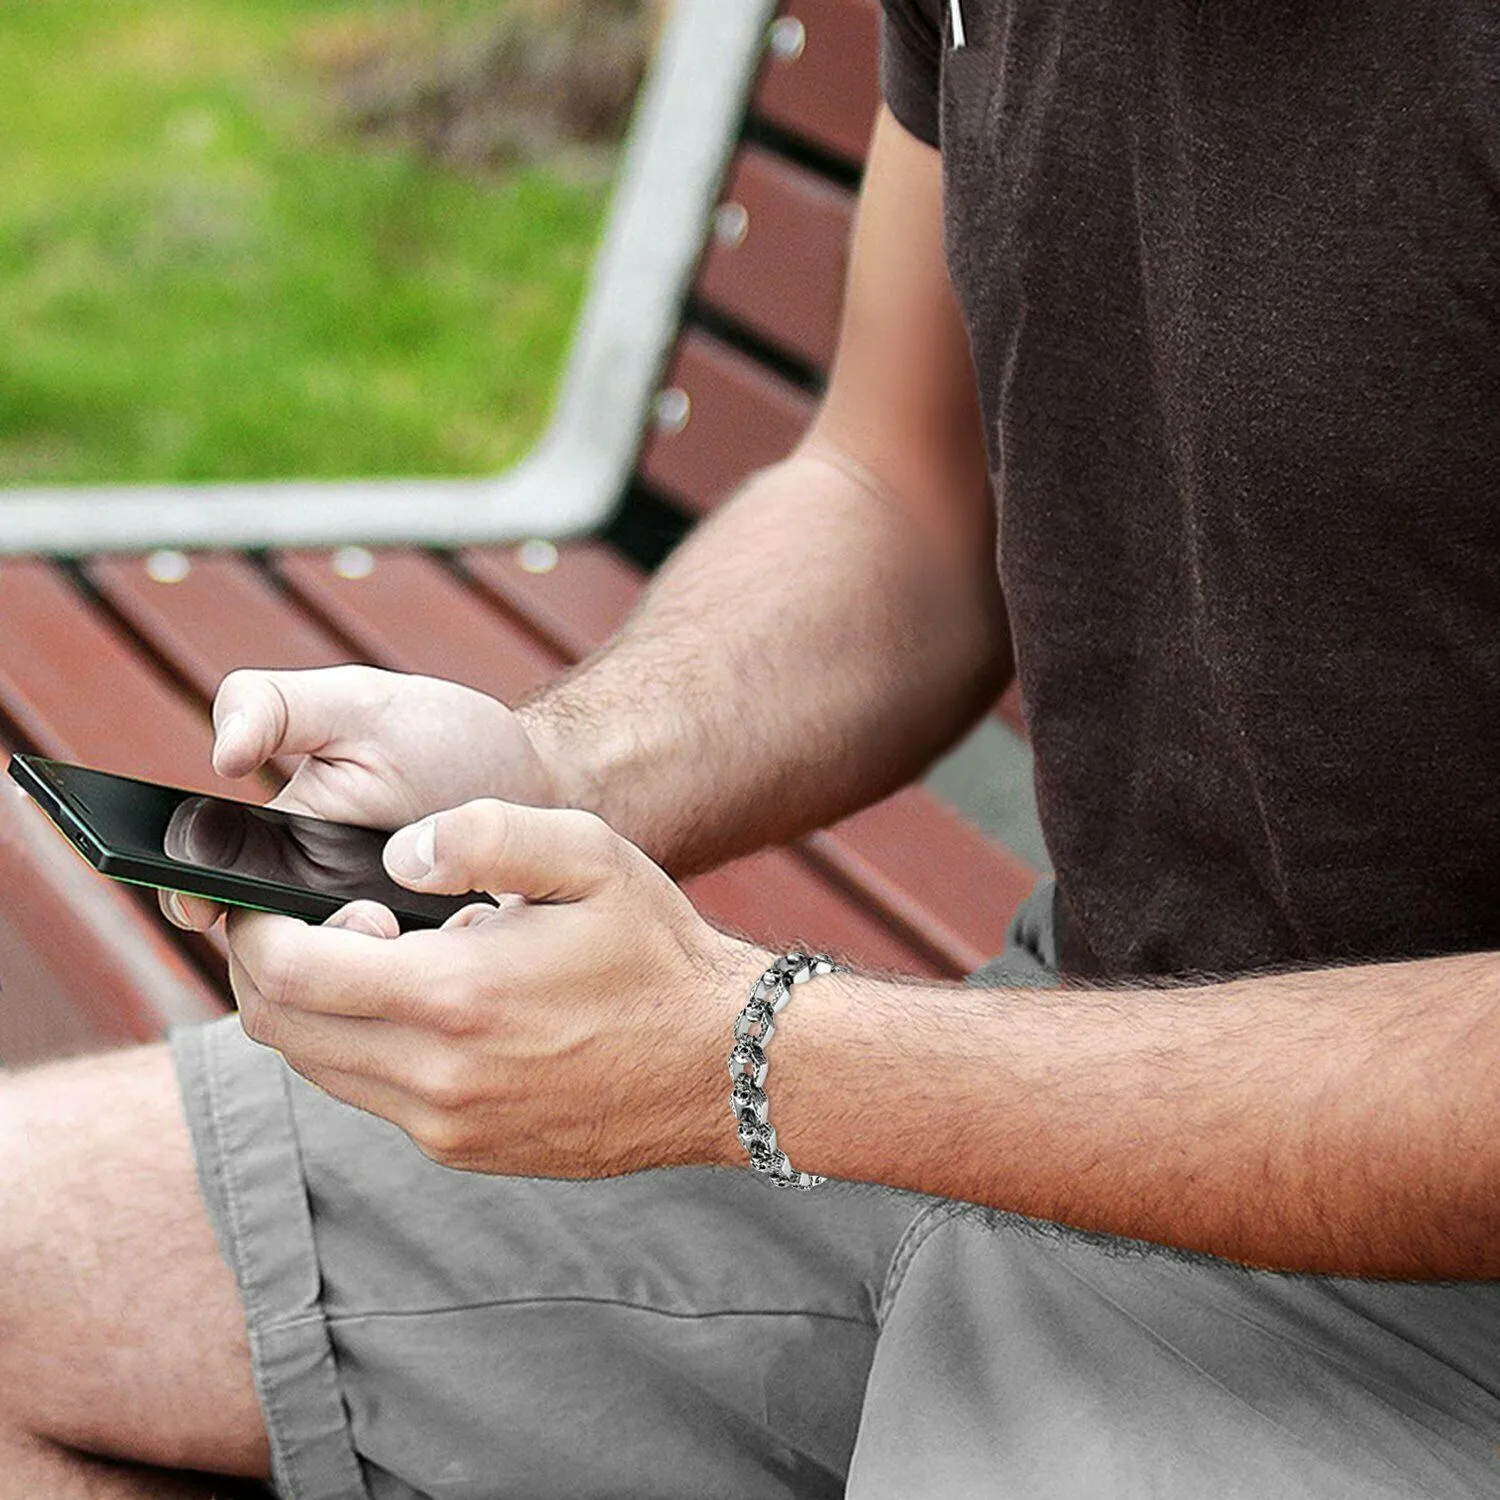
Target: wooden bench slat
(781, 901)
(829, 92)
(40, 1013)
(932, 871)
(221, 614)
(722, 416)
(1009, 710)
(411, 614)
(783, 280)
(77, 688)
(81, 966)
(579, 595)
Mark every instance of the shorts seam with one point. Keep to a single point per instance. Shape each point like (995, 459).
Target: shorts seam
(344, 1320)
(287, 1485)
(305, 1419)
(917, 1233)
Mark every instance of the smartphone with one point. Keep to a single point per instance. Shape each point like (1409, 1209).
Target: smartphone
(148, 834)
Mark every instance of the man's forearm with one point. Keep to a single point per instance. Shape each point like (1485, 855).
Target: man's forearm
(807, 650)
(1343, 1121)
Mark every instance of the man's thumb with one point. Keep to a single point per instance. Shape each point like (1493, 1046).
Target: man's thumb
(258, 715)
(541, 853)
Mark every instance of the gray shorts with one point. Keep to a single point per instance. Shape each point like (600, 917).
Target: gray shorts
(689, 1333)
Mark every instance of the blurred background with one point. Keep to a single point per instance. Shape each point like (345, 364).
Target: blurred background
(272, 238)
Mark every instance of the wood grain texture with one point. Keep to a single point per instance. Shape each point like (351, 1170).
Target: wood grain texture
(826, 94)
(783, 279)
(724, 417)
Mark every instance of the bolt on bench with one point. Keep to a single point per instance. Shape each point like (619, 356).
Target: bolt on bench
(120, 610)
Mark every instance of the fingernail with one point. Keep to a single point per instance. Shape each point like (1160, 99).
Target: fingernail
(231, 730)
(354, 922)
(412, 852)
(175, 909)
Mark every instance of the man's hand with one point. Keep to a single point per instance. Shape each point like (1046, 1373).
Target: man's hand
(371, 747)
(579, 1029)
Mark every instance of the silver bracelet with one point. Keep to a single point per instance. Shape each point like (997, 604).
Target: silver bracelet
(753, 1028)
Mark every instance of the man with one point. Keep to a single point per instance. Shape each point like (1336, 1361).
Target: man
(1231, 274)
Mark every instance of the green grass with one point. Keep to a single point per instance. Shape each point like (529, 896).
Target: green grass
(201, 278)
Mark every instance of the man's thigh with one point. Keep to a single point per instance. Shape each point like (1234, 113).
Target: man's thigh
(121, 1332)
(1019, 1363)
(416, 1330)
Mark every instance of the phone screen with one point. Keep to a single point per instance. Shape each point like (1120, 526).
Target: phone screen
(231, 851)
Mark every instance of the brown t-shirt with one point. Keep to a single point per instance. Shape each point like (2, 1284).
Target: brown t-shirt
(1231, 270)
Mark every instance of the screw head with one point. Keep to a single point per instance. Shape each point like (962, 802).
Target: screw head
(788, 39)
(536, 556)
(731, 224)
(167, 565)
(672, 410)
(353, 562)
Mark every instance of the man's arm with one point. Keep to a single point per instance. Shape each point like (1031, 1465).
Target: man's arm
(808, 649)
(838, 625)
(1338, 1121)
(1342, 1121)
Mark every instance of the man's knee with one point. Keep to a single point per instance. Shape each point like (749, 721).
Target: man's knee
(121, 1331)
(88, 1148)
(89, 1154)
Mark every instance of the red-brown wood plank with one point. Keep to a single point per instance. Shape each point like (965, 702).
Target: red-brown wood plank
(411, 614)
(1010, 711)
(76, 687)
(211, 613)
(933, 872)
(780, 901)
(721, 417)
(775, 263)
(79, 967)
(40, 1015)
(574, 596)
(822, 83)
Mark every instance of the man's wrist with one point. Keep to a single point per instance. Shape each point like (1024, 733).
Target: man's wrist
(740, 966)
(555, 737)
(603, 763)
(750, 1065)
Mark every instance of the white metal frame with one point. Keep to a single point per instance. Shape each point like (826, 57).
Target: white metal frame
(685, 127)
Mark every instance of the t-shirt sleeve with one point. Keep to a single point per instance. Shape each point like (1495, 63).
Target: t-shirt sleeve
(910, 62)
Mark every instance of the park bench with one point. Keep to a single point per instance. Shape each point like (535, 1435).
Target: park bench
(120, 611)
